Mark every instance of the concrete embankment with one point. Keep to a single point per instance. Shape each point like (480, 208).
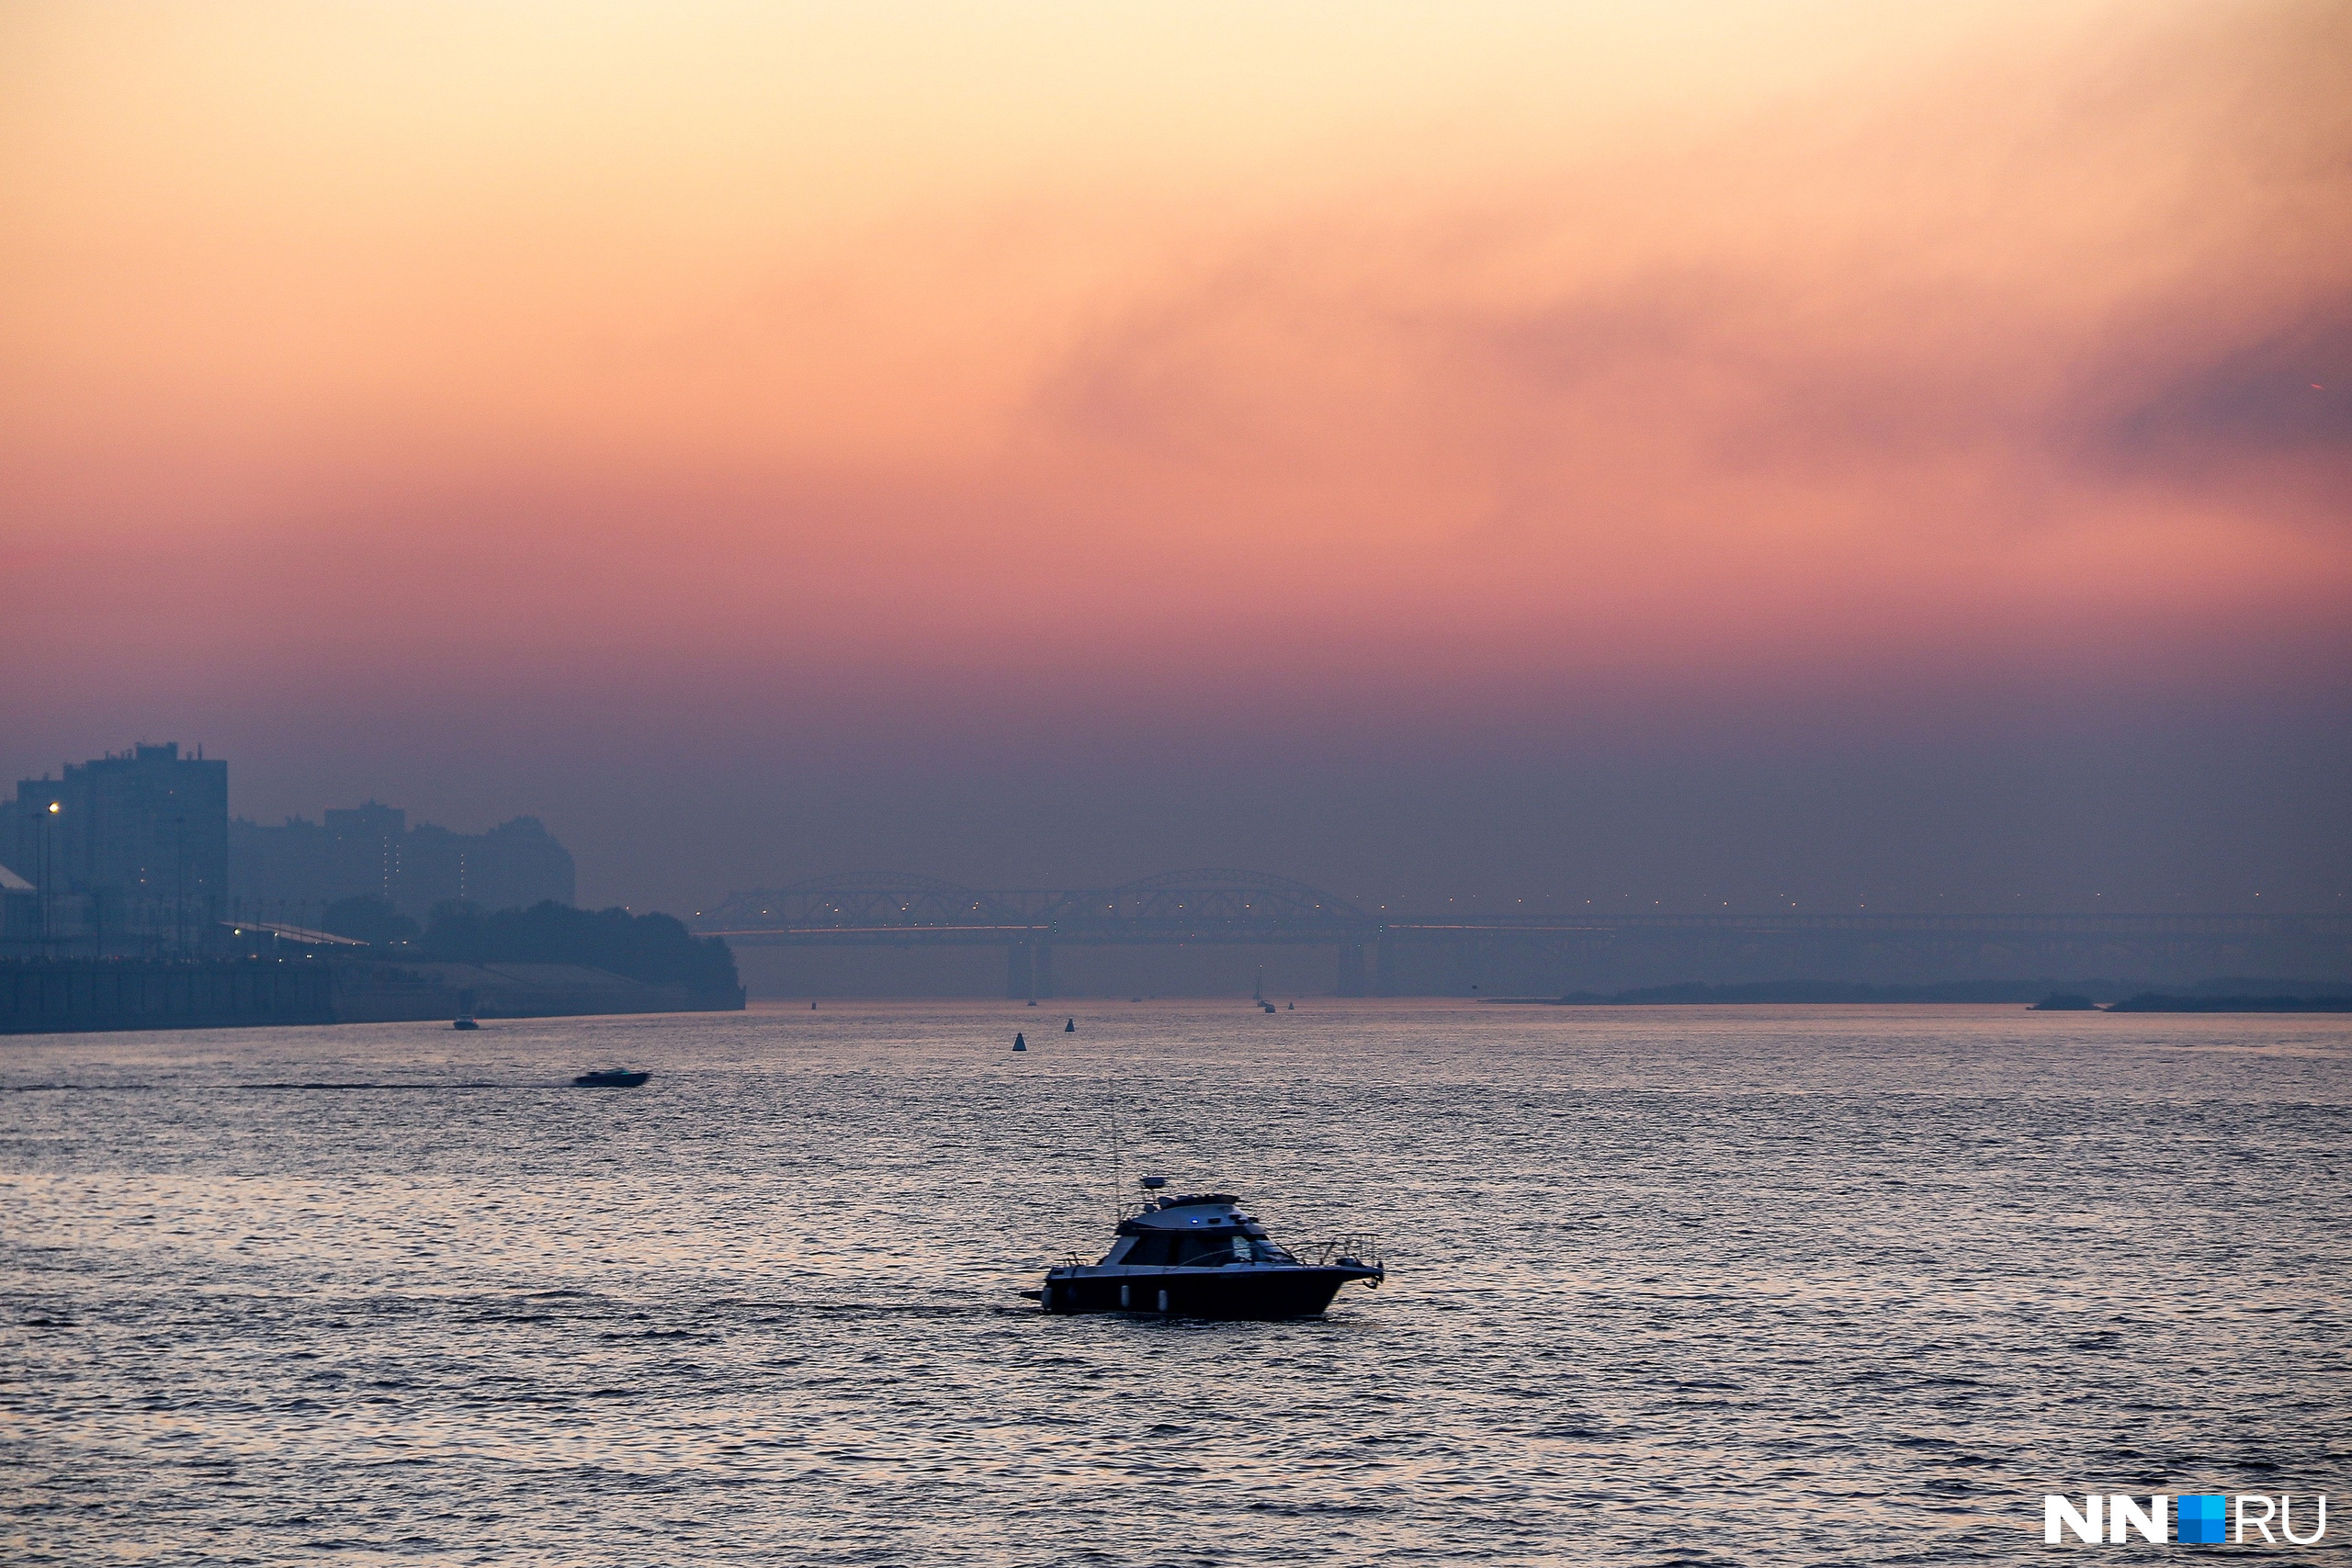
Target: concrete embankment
(71, 996)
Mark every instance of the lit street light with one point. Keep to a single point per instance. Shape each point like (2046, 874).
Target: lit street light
(47, 869)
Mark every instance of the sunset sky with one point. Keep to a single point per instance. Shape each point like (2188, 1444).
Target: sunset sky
(1701, 452)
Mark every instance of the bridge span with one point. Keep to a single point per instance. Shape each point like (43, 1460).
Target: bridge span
(1232, 907)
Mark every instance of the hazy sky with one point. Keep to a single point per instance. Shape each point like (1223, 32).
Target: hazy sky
(1701, 452)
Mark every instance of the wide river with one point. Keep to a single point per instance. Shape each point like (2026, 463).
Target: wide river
(1757, 1285)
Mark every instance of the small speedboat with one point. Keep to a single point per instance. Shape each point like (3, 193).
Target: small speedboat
(1197, 1254)
(611, 1077)
(466, 1022)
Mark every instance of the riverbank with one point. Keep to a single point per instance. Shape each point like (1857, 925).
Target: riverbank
(2233, 995)
(92, 994)
(2151, 1002)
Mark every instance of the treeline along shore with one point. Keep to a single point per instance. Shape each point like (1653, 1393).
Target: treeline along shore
(545, 962)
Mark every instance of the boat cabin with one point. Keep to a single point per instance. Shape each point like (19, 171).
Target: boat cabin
(1195, 1229)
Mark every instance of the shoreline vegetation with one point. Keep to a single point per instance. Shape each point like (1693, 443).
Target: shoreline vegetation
(2233, 995)
(654, 948)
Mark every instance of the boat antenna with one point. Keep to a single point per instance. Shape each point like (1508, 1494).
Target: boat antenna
(1118, 1157)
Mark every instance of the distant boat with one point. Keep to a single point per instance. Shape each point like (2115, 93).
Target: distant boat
(1071, 1028)
(611, 1077)
(465, 1024)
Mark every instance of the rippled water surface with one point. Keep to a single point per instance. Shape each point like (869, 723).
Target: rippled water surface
(1667, 1285)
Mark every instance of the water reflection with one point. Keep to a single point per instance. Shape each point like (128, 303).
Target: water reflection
(1773, 1284)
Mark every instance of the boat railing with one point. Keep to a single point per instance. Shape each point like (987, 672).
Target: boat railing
(1359, 1250)
(1364, 1250)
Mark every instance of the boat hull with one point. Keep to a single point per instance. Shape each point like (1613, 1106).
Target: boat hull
(1304, 1291)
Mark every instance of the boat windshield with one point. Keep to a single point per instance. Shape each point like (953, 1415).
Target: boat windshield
(1189, 1251)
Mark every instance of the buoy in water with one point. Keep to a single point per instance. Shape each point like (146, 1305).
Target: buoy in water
(1018, 1043)
(1071, 1028)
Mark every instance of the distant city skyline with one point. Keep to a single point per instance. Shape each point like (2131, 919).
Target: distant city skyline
(135, 851)
(372, 851)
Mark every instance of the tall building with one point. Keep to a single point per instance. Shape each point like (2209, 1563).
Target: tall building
(130, 850)
(294, 871)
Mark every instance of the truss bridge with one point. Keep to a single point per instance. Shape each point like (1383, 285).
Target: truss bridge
(1227, 907)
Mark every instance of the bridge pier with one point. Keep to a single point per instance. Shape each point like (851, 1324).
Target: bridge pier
(1465, 966)
(1351, 971)
(1028, 971)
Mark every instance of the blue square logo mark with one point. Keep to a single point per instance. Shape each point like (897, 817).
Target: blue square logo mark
(2201, 1519)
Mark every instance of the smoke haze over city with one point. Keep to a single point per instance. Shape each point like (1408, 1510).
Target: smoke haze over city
(1701, 455)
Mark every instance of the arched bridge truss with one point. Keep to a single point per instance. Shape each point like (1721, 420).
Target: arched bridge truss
(1207, 906)
(1254, 908)
(1180, 906)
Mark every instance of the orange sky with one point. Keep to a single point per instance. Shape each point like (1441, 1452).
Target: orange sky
(1515, 359)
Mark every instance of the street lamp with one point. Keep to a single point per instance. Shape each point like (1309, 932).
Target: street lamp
(47, 869)
(179, 886)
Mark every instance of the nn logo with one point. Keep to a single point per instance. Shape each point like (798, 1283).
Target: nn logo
(2205, 1520)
